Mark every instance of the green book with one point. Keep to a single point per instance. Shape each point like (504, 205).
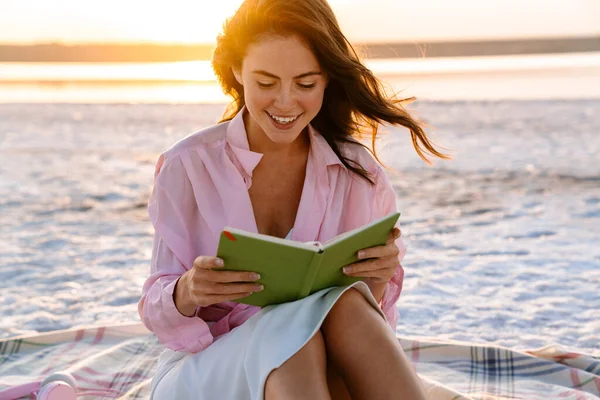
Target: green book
(292, 270)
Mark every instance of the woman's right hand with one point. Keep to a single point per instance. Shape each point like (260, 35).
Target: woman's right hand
(205, 284)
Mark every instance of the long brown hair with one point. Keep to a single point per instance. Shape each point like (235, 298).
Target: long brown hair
(354, 102)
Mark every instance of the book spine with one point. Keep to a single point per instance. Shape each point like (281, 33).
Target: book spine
(311, 273)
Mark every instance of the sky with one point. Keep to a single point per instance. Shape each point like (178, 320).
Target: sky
(199, 21)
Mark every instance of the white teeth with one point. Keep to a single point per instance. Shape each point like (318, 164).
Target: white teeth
(283, 120)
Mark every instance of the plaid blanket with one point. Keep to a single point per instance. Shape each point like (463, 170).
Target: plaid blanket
(119, 361)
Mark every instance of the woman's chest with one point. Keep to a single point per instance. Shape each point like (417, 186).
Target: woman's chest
(275, 199)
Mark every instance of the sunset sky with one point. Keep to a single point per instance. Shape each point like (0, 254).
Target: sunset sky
(198, 21)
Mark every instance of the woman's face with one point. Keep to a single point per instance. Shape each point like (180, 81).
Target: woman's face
(283, 88)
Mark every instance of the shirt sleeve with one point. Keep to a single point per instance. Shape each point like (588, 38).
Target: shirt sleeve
(385, 203)
(173, 213)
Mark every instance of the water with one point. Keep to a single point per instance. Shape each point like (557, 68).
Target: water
(503, 240)
(572, 76)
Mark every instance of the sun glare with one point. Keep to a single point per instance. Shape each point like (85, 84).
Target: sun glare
(190, 21)
(199, 21)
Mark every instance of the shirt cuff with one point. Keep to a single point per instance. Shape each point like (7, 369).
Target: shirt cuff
(192, 333)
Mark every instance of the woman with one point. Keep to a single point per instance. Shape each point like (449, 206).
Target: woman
(284, 162)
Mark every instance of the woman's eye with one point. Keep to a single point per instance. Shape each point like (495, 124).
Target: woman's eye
(265, 85)
(312, 85)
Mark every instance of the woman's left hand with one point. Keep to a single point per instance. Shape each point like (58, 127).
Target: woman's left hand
(379, 263)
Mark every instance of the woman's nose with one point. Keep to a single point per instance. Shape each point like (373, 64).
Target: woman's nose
(284, 99)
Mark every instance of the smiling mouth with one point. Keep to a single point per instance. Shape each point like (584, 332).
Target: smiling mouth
(283, 120)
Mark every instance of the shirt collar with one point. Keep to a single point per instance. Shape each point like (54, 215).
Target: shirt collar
(321, 149)
(238, 141)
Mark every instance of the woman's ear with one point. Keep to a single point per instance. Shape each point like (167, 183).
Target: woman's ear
(237, 74)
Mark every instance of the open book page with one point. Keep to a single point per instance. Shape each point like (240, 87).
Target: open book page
(333, 239)
(316, 244)
(231, 234)
(342, 236)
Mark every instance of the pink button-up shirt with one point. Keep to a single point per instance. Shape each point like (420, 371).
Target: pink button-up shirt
(201, 185)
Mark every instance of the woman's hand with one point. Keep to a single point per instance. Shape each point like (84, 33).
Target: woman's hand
(204, 284)
(379, 264)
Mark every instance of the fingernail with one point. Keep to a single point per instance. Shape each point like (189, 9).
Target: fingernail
(361, 254)
(346, 270)
(254, 276)
(220, 262)
(258, 288)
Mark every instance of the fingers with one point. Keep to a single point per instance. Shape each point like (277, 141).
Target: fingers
(379, 275)
(379, 278)
(208, 269)
(363, 268)
(205, 262)
(219, 282)
(379, 251)
(394, 234)
(208, 289)
(205, 294)
(210, 284)
(389, 249)
(220, 276)
(214, 299)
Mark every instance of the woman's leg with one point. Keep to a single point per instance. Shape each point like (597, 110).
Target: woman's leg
(361, 346)
(303, 376)
(337, 386)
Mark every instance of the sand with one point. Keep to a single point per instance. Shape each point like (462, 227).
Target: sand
(503, 241)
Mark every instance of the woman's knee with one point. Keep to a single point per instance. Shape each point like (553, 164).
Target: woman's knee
(351, 306)
(352, 296)
(352, 316)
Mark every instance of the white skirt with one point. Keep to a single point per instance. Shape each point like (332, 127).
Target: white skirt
(237, 365)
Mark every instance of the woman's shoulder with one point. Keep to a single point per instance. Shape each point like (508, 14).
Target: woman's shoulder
(362, 155)
(209, 137)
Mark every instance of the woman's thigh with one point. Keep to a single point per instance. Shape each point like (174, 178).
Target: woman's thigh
(351, 307)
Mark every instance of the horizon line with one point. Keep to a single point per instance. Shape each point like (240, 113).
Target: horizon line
(440, 40)
(160, 52)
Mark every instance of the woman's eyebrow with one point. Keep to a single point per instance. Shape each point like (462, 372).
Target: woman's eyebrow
(270, 75)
